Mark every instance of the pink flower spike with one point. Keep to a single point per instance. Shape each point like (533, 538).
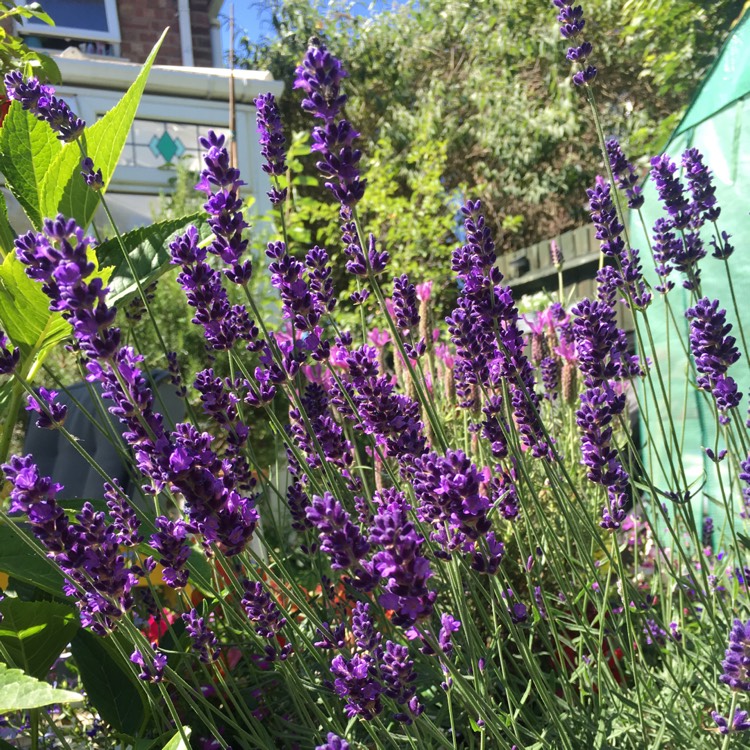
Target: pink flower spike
(379, 338)
(424, 291)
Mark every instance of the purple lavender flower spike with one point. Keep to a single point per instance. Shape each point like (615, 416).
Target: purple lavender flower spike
(736, 664)
(744, 475)
(723, 248)
(671, 190)
(604, 216)
(272, 142)
(288, 275)
(9, 358)
(714, 351)
(152, 666)
(398, 561)
(740, 722)
(490, 347)
(87, 551)
(451, 498)
(124, 518)
(215, 508)
(51, 414)
(224, 324)
(667, 247)
(393, 418)
(221, 182)
(319, 278)
(340, 538)
(555, 254)
(625, 174)
(572, 22)
(40, 100)
(261, 610)
(699, 179)
(448, 626)
(170, 542)
(333, 742)
(204, 640)
(405, 303)
(365, 636)
(487, 558)
(397, 671)
(357, 683)
(320, 76)
(603, 357)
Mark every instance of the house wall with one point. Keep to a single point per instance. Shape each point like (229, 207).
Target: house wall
(201, 28)
(141, 23)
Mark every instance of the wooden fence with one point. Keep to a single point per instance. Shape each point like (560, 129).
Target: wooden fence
(530, 270)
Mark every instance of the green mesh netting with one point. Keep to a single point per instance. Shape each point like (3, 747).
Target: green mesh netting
(718, 123)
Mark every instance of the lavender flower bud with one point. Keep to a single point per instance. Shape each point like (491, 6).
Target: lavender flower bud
(93, 178)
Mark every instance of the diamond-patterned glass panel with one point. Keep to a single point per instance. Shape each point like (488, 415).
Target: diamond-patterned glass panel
(164, 144)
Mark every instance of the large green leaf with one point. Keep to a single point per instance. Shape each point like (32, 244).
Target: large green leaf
(27, 148)
(34, 634)
(109, 683)
(63, 190)
(19, 692)
(148, 253)
(7, 235)
(24, 309)
(19, 561)
(177, 743)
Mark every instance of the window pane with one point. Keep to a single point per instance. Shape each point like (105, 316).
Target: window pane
(89, 15)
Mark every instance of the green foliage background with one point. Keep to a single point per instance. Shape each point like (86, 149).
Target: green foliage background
(458, 98)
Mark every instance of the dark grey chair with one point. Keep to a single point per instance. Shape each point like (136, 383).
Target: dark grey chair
(100, 434)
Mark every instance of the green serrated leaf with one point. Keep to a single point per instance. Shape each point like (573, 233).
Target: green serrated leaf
(27, 148)
(24, 310)
(147, 249)
(109, 684)
(18, 561)
(19, 692)
(34, 634)
(49, 69)
(63, 190)
(177, 743)
(7, 235)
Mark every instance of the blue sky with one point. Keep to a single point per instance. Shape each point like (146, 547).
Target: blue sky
(253, 16)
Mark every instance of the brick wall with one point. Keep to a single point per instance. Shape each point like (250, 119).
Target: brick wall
(201, 33)
(141, 23)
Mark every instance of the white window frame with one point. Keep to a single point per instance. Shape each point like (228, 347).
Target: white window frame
(112, 36)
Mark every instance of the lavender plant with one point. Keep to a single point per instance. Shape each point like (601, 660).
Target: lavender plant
(461, 544)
